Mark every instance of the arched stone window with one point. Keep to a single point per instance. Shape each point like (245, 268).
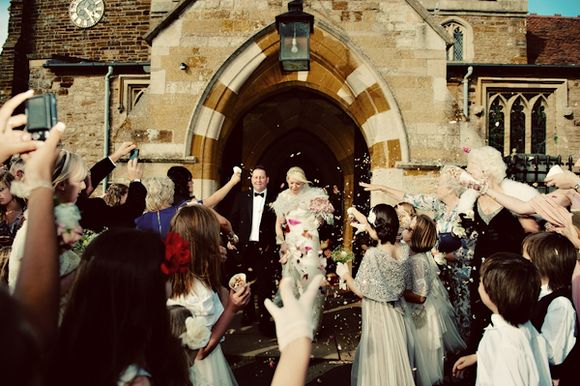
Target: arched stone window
(525, 128)
(462, 49)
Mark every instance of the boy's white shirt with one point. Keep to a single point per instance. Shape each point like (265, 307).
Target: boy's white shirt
(509, 355)
(558, 327)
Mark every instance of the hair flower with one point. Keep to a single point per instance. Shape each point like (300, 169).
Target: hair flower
(177, 254)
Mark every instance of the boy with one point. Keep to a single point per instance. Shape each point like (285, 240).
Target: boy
(511, 352)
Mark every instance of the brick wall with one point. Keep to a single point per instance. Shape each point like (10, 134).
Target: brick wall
(13, 61)
(117, 37)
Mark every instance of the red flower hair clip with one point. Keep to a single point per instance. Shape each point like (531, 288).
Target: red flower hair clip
(177, 254)
(466, 149)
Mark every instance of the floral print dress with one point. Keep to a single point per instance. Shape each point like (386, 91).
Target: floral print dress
(454, 275)
(304, 213)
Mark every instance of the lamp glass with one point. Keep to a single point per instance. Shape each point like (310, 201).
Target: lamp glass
(295, 45)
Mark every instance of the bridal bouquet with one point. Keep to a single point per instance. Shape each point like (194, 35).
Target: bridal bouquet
(321, 207)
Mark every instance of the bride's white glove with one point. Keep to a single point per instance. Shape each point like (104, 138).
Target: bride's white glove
(294, 319)
(342, 270)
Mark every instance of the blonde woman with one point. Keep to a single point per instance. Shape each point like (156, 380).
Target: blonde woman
(300, 210)
(67, 181)
(158, 204)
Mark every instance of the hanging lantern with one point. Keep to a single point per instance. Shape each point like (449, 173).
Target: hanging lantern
(295, 28)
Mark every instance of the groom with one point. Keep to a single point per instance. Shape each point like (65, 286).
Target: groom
(253, 220)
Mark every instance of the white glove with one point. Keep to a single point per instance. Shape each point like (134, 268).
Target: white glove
(294, 319)
(341, 270)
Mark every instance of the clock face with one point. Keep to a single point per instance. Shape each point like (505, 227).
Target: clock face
(86, 13)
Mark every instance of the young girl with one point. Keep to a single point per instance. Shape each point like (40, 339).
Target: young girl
(116, 327)
(197, 288)
(428, 304)
(381, 357)
(554, 315)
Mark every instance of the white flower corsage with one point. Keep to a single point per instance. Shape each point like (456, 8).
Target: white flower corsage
(196, 333)
(67, 217)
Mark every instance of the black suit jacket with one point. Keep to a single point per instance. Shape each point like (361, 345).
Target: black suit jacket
(241, 218)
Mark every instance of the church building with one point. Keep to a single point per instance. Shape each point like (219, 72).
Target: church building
(393, 90)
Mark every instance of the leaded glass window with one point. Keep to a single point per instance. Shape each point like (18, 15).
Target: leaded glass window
(496, 125)
(518, 127)
(539, 127)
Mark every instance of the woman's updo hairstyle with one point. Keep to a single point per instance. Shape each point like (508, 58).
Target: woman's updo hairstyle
(385, 222)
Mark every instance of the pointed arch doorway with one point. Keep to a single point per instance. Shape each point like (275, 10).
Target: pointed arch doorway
(299, 127)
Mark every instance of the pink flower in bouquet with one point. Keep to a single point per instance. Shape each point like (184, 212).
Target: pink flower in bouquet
(321, 206)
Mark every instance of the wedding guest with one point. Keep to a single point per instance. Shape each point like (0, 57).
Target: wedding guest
(253, 220)
(121, 286)
(380, 283)
(554, 316)
(158, 204)
(183, 192)
(294, 332)
(454, 252)
(116, 194)
(67, 181)
(17, 168)
(300, 210)
(196, 287)
(97, 214)
(497, 228)
(11, 212)
(431, 312)
(511, 351)
(29, 317)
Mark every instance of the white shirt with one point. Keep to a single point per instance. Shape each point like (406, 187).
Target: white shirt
(509, 355)
(257, 209)
(558, 326)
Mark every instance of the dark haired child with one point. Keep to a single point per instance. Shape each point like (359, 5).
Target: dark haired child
(381, 356)
(511, 351)
(427, 304)
(554, 315)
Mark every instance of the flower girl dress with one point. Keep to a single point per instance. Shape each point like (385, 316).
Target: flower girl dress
(204, 303)
(381, 356)
(435, 329)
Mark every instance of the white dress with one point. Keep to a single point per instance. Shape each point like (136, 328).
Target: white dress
(435, 329)
(381, 356)
(204, 303)
(303, 217)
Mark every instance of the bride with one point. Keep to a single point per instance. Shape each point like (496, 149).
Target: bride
(300, 210)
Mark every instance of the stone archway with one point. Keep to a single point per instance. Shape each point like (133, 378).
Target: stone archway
(338, 71)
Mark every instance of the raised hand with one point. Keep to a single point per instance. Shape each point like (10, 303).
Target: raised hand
(294, 319)
(123, 150)
(14, 141)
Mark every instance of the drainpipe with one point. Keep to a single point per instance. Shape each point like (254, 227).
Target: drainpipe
(466, 92)
(107, 126)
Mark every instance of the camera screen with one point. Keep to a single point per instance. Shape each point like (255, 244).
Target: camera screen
(37, 113)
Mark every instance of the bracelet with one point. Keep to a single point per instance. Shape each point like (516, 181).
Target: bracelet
(41, 184)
